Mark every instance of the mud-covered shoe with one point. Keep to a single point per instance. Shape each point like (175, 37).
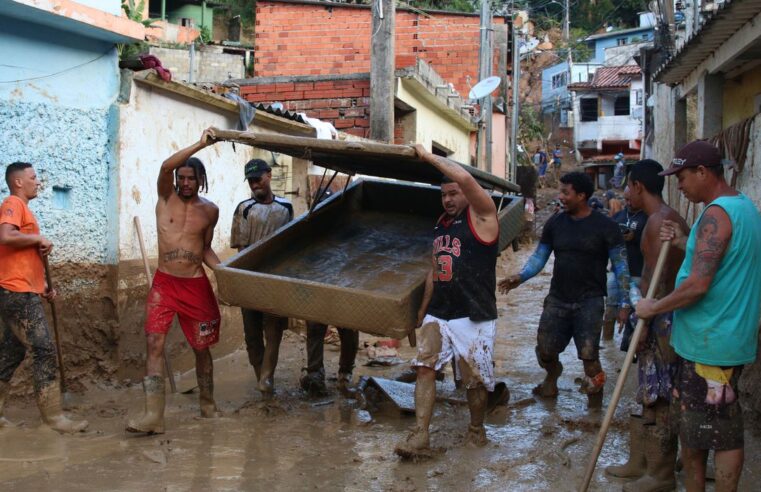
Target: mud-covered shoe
(549, 387)
(208, 407)
(152, 420)
(476, 436)
(49, 403)
(267, 387)
(635, 466)
(343, 384)
(313, 383)
(415, 445)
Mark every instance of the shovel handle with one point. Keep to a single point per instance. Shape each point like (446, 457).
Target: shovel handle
(614, 399)
(59, 352)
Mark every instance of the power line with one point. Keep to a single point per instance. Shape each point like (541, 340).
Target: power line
(59, 72)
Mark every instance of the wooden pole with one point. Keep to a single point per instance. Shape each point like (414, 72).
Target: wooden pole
(624, 371)
(146, 265)
(382, 76)
(58, 350)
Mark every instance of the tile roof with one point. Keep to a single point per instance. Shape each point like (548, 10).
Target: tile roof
(610, 78)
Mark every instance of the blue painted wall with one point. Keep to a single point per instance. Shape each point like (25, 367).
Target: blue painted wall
(550, 95)
(58, 111)
(642, 34)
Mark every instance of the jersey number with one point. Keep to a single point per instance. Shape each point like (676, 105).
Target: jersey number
(445, 268)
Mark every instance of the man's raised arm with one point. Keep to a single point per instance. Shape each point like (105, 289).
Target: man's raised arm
(480, 201)
(166, 178)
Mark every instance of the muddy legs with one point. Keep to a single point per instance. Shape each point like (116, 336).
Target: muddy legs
(273, 333)
(477, 399)
(609, 322)
(416, 445)
(551, 364)
(205, 377)
(152, 420)
(4, 390)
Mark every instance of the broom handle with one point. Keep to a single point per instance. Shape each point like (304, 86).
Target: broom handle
(49, 279)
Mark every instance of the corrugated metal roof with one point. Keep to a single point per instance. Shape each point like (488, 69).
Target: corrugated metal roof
(716, 29)
(610, 78)
(620, 32)
(289, 115)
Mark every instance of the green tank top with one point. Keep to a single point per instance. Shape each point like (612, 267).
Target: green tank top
(721, 329)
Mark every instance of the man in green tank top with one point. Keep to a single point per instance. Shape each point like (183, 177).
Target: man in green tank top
(716, 306)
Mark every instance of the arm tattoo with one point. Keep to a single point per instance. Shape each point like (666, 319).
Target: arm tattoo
(710, 247)
(182, 254)
(536, 262)
(617, 255)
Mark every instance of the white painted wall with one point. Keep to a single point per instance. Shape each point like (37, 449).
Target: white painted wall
(153, 126)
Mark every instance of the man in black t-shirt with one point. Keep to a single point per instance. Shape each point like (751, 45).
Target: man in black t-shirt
(458, 314)
(583, 242)
(632, 222)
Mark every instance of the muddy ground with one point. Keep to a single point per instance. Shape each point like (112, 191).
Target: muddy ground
(327, 443)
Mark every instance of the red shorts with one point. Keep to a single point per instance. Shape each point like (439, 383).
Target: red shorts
(194, 303)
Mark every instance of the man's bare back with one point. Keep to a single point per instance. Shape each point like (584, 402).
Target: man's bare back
(651, 246)
(185, 222)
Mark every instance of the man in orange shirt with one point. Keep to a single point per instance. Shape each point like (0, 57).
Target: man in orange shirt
(22, 284)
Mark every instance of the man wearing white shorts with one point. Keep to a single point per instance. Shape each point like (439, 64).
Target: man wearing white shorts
(459, 310)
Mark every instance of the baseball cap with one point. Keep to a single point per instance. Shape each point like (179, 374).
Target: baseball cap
(255, 168)
(694, 154)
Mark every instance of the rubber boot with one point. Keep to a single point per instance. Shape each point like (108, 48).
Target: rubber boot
(206, 401)
(5, 388)
(273, 334)
(660, 447)
(636, 465)
(313, 383)
(152, 421)
(49, 403)
(417, 443)
(477, 400)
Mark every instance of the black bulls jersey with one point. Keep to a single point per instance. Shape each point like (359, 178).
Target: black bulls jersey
(464, 279)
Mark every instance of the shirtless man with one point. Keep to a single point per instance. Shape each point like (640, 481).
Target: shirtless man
(458, 313)
(652, 444)
(185, 225)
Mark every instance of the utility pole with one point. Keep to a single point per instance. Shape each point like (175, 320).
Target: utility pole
(485, 51)
(566, 22)
(516, 101)
(382, 71)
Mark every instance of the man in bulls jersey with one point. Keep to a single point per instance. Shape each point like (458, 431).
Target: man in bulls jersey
(458, 315)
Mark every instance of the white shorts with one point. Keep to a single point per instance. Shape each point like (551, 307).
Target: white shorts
(470, 343)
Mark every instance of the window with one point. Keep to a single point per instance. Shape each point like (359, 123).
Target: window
(588, 109)
(559, 80)
(438, 149)
(621, 41)
(621, 106)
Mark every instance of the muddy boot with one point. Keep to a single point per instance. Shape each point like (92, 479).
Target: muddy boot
(635, 467)
(549, 387)
(476, 436)
(49, 403)
(313, 383)
(273, 333)
(417, 443)
(152, 421)
(660, 448)
(5, 388)
(206, 401)
(343, 384)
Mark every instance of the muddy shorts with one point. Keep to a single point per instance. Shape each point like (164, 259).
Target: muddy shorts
(194, 303)
(563, 321)
(470, 343)
(703, 425)
(24, 329)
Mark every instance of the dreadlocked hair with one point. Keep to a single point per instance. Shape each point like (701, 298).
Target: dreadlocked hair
(198, 169)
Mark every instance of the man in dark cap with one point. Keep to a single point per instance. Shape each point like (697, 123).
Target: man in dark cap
(255, 219)
(716, 310)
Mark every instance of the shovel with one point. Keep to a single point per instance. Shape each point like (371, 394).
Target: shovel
(49, 278)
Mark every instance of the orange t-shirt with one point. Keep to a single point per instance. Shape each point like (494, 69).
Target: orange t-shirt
(21, 269)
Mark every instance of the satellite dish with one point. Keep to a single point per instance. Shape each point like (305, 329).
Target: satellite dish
(484, 88)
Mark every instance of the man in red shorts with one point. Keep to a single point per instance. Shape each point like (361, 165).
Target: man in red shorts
(185, 224)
